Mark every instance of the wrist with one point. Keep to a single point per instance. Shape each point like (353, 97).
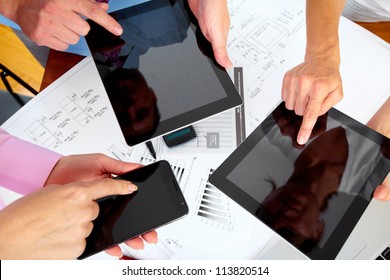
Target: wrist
(55, 172)
(327, 50)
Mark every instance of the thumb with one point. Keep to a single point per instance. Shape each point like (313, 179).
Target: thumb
(105, 187)
(221, 56)
(218, 42)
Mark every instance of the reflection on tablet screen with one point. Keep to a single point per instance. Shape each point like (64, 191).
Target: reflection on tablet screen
(159, 74)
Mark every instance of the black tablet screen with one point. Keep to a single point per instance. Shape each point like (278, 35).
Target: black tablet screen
(160, 75)
(311, 195)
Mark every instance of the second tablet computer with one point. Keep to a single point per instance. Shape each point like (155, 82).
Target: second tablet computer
(160, 74)
(157, 202)
(311, 195)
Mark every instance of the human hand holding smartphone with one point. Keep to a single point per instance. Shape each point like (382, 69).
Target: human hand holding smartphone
(157, 201)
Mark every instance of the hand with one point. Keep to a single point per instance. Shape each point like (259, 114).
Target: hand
(58, 23)
(311, 89)
(87, 167)
(53, 222)
(289, 124)
(214, 21)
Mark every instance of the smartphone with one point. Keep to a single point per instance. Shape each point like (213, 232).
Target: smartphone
(158, 201)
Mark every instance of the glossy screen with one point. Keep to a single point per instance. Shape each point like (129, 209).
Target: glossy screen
(311, 195)
(157, 201)
(160, 75)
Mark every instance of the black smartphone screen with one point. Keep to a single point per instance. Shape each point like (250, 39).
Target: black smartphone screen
(157, 201)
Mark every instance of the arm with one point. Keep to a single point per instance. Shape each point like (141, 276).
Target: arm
(314, 86)
(57, 23)
(24, 167)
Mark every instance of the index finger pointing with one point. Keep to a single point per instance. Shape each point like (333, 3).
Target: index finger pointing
(95, 12)
(105, 187)
(309, 120)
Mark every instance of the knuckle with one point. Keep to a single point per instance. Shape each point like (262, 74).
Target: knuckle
(310, 115)
(289, 106)
(86, 230)
(62, 47)
(37, 34)
(94, 211)
(77, 192)
(50, 7)
(74, 40)
(319, 85)
(80, 247)
(298, 111)
(84, 30)
(93, 11)
(306, 79)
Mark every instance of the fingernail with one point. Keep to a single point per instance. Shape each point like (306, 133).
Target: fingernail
(118, 30)
(301, 140)
(132, 187)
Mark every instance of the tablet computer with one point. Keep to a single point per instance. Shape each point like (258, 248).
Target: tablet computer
(311, 195)
(160, 74)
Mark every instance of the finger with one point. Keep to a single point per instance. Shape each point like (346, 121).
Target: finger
(301, 103)
(332, 99)
(68, 37)
(302, 96)
(88, 229)
(285, 86)
(309, 120)
(54, 43)
(94, 12)
(114, 251)
(58, 37)
(218, 41)
(135, 243)
(290, 91)
(193, 6)
(217, 36)
(221, 56)
(382, 193)
(103, 5)
(116, 167)
(105, 187)
(150, 237)
(77, 25)
(94, 211)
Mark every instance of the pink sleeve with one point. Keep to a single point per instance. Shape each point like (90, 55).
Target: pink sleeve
(24, 167)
